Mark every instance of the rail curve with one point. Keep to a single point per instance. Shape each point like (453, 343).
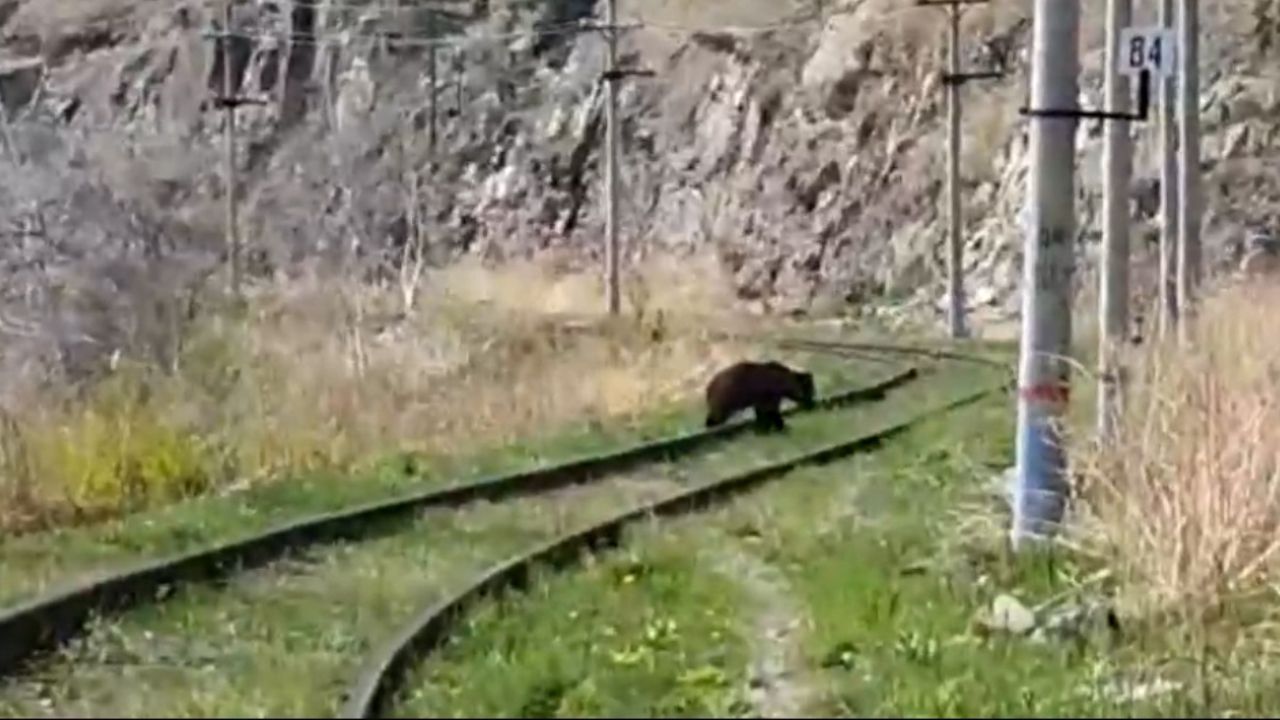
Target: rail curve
(380, 678)
(48, 621)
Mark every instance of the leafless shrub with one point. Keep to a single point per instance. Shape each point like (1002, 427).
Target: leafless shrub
(1186, 502)
(92, 268)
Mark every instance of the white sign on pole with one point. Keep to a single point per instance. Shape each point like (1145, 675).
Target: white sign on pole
(1152, 49)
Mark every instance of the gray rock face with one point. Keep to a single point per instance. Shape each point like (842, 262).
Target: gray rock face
(808, 158)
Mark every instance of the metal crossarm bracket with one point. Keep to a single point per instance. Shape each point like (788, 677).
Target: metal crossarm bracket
(962, 78)
(222, 103)
(1144, 107)
(621, 73)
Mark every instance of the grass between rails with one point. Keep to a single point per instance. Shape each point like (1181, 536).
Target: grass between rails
(639, 633)
(285, 640)
(33, 561)
(890, 561)
(674, 639)
(30, 563)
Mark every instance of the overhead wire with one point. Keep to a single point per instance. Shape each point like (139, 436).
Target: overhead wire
(428, 41)
(565, 28)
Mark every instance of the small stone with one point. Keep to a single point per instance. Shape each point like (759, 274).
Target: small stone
(920, 567)
(1123, 691)
(1004, 484)
(1010, 615)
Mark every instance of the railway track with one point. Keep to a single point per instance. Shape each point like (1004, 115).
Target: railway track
(377, 683)
(868, 349)
(51, 622)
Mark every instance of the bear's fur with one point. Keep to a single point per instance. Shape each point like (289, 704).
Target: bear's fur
(761, 386)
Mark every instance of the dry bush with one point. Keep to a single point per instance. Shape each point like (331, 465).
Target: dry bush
(1187, 500)
(328, 373)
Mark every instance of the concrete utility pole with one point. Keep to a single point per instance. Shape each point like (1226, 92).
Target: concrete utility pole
(612, 279)
(1049, 264)
(1189, 254)
(229, 153)
(1117, 161)
(1168, 272)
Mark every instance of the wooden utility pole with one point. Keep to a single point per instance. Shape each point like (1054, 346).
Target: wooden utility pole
(611, 76)
(1117, 161)
(1049, 266)
(433, 73)
(955, 79)
(1168, 272)
(1189, 253)
(955, 256)
(612, 279)
(459, 74)
(229, 153)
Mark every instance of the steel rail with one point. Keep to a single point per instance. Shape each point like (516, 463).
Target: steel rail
(49, 621)
(853, 348)
(382, 676)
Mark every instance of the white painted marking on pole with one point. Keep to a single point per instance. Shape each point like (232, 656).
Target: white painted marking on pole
(1153, 49)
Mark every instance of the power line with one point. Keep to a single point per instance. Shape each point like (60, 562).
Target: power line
(397, 39)
(739, 29)
(568, 28)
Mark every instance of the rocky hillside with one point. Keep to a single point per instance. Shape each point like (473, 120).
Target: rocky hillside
(801, 141)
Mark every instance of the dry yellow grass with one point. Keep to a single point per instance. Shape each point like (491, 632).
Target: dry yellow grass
(1187, 501)
(325, 375)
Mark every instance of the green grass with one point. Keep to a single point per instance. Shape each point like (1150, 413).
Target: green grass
(31, 563)
(505, 662)
(287, 639)
(284, 639)
(893, 589)
(889, 560)
(893, 586)
(636, 634)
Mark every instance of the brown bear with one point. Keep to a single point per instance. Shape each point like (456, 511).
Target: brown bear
(761, 386)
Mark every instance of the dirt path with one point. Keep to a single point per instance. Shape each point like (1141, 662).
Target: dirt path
(778, 685)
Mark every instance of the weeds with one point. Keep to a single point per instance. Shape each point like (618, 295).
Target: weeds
(330, 376)
(1186, 501)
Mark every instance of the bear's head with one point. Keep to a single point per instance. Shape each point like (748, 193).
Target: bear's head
(804, 390)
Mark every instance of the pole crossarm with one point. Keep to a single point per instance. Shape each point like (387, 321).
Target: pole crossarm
(964, 77)
(1144, 107)
(960, 78)
(952, 3)
(621, 73)
(221, 102)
